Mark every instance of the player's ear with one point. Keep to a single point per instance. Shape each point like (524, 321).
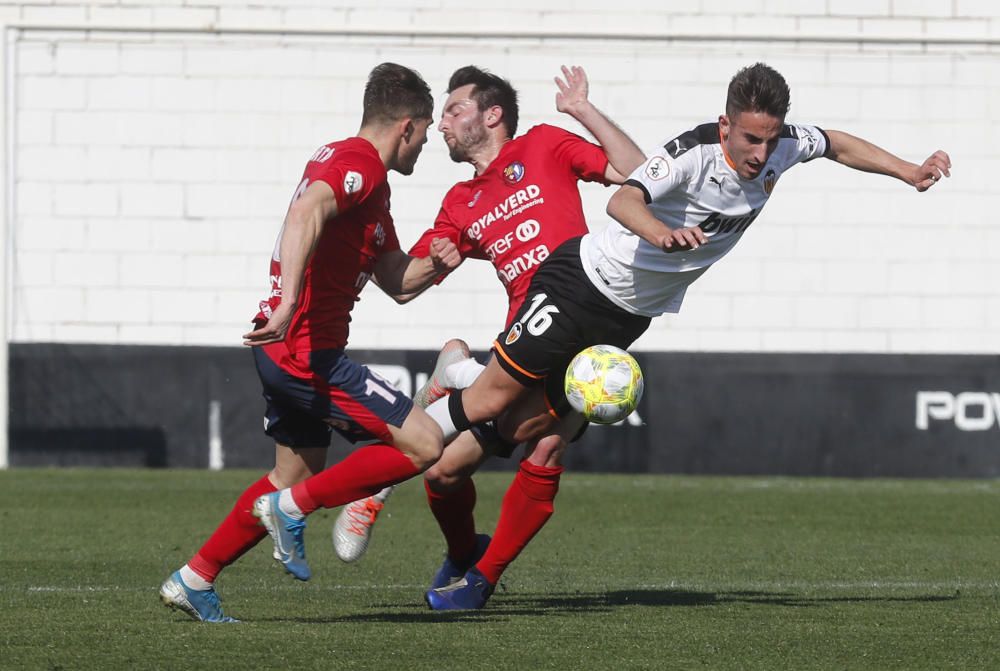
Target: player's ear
(724, 126)
(494, 116)
(408, 129)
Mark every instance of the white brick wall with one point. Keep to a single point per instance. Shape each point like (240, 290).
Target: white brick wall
(153, 166)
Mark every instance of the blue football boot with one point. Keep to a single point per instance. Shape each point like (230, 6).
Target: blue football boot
(200, 604)
(287, 534)
(470, 593)
(452, 571)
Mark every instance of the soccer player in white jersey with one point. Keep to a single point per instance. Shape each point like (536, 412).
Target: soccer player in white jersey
(676, 215)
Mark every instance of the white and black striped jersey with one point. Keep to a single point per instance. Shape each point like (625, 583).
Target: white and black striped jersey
(688, 182)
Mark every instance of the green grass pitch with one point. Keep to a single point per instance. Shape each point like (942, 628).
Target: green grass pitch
(632, 572)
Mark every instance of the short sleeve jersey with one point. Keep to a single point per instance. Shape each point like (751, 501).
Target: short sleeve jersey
(688, 182)
(348, 247)
(524, 205)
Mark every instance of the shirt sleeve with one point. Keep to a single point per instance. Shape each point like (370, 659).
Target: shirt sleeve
(352, 176)
(810, 142)
(660, 173)
(586, 159)
(444, 227)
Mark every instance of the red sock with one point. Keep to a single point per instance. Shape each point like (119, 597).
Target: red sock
(527, 506)
(453, 512)
(239, 532)
(364, 472)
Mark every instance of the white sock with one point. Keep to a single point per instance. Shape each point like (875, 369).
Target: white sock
(462, 374)
(384, 494)
(193, 580)
(438, 410)
(288, 505)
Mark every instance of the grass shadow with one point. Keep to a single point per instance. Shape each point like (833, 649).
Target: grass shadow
(504, 606)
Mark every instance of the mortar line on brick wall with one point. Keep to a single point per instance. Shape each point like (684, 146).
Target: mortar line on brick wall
(520, 34)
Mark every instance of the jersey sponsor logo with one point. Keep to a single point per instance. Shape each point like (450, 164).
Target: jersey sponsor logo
(322, 154)
(353, 182)
(514, 172)
(513, 334)
(657, 168)
(528, 230)
(524, 232)
(716, 223)
(770, 179)
(522, 264)
(475, 198)
(512, 205)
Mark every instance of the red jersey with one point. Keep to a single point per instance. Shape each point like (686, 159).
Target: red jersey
(524, 205)
(345, 255)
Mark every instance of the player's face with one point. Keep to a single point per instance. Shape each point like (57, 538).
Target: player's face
(411, 146)
(463, 125)
(749, 139)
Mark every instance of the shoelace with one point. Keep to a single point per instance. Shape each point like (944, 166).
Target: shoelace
(212, 599)
(362, 515)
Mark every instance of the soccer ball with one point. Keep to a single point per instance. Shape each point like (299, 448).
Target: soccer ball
(604, 384)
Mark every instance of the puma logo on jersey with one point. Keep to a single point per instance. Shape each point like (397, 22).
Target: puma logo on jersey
(717, 182)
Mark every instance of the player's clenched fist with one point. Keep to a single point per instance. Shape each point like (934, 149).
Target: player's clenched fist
(444, 254)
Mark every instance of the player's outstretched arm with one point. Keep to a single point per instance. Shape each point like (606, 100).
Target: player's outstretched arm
(404, 277)
(624, 155)
(299, 235)
(628, 207)
(860, 154)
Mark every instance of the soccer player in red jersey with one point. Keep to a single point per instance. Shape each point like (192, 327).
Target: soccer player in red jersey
(338, 234)
(522, 203)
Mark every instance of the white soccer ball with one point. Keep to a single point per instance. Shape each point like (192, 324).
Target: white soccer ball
(604, 384)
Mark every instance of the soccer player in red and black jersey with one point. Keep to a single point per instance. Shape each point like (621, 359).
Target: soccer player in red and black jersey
(521, 204)
(338, 234)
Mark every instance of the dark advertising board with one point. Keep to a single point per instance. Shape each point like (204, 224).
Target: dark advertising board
(852, 415)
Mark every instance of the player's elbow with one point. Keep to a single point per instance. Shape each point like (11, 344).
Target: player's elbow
(614, 207)
(402, 299)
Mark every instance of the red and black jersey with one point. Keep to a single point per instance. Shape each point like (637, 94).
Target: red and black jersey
(348, 247)
(524, 205)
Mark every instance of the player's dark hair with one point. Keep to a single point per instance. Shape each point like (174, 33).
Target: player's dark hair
(488, 90)
(758, 88)
(394, 92)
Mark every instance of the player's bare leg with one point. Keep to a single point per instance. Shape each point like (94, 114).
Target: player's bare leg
(493, 391)
(416, 445)
(353, 528)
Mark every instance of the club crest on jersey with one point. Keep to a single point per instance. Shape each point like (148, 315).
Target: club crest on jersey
(657, 168)
(353, 182)
(770, 179)
(514, 172)
(513, 334)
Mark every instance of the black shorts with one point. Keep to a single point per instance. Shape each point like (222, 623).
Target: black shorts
(562, 314)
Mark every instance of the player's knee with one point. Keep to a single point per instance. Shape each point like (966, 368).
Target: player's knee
(442, 480)
(548, 452)
(426, 450)
(423, 445)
